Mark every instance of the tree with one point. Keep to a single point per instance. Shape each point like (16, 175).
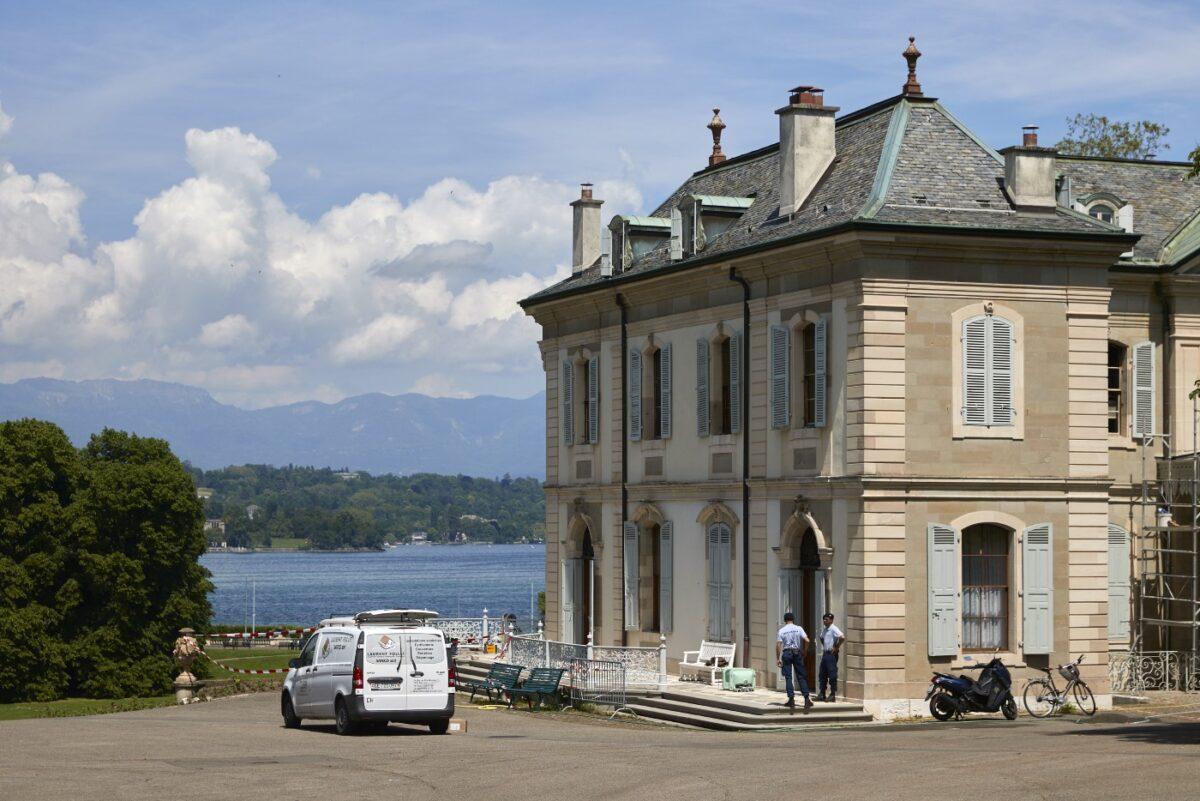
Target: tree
(99, 563)
(1194, 156)
(1097, 135)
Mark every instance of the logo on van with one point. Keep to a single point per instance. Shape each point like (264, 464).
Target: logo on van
(325, 649)
(386, 643)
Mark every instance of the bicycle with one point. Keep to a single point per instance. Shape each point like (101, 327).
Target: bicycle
(1042, 698)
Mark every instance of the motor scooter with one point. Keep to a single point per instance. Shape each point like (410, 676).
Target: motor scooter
(954, 696)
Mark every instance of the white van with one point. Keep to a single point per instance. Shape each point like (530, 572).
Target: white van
(370, 670)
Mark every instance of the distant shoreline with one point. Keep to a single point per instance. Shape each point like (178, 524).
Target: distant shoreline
(361, 550)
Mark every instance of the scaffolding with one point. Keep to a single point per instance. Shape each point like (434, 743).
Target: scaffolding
(1167, 555)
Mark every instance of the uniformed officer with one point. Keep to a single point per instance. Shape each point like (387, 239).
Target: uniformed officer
(790, 647)
(831, 644)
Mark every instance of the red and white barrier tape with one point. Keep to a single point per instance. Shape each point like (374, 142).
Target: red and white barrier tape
(240, 635)
(251, 671)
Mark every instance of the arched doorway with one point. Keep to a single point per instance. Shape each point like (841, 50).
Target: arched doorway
(803, 585)
(580, 589)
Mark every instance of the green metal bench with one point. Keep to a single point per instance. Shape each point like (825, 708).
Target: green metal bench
(501, 678)
(541, 686)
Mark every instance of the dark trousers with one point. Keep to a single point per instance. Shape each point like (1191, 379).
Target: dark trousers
(828, 672)
(793, 660)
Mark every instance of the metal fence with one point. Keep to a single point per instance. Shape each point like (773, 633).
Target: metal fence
(643, 668)
(598, 681)
(471, 632)
(1140, 671)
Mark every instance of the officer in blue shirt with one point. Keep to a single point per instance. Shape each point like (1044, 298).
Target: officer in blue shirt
(831, 643)
(790, 647)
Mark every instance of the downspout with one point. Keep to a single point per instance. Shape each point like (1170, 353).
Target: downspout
(1167, 314)
(733, 276)
(624, 452)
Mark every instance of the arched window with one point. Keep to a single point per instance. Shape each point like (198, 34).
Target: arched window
(1102, 212)
(1117, 380)
(985, 587)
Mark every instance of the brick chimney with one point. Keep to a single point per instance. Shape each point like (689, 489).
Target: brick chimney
(1029, 173)
(806, 146)
(585, 230)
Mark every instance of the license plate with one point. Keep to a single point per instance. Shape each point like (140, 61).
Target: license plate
(386, 684)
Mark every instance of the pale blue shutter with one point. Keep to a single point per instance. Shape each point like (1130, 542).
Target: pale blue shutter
(1118, 583)
(780, 364)
(676, 235)
(702, 408)
(735, 382)
(1143, 389)
(720, 585)
(1000, 372)
(593, 409)
(821, 370)
(664, 392)
(572, 581)
(1037, 570)
(974, 371)
(635, 395)
(630, 548)
(942, 572)
(666, 577)
(567, 390)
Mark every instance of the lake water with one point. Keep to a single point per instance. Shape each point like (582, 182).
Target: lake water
(304, 587)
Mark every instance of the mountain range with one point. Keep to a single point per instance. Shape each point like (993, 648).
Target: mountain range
(485, 436)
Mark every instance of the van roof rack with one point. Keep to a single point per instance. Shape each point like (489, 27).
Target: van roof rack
(395, 617)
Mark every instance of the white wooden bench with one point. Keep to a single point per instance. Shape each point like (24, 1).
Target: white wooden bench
(694, 664)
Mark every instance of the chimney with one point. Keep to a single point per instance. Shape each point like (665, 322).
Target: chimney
(806, 146)
(1029, 177)
(585, 230)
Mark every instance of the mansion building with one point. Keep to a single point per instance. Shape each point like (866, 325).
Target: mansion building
(876, 368)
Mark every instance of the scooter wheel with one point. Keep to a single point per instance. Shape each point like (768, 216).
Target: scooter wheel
(1009, 708)
(941, 707)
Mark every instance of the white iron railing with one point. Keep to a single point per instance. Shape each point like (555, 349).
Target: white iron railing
(645, 667)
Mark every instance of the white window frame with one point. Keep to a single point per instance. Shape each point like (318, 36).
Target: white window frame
(1016, 429)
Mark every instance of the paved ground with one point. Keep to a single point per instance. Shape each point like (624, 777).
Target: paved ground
(235, 748)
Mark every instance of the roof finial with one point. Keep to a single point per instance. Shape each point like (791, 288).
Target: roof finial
(716, 126)
(911, 54)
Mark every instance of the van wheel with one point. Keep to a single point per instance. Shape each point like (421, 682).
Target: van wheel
(439, 726)
(290, 719)
(341, 718)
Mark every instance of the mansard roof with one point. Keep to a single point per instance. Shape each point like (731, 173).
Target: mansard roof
(903, 162)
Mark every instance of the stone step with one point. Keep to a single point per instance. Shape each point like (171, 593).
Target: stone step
(715, 717)
(752, 703)
(700, 717)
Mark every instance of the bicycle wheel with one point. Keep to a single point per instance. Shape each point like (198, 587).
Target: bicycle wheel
(1039, 698)
(1084, 698)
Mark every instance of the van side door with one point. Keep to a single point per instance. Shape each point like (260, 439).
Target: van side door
(333, 668)
(302, 684)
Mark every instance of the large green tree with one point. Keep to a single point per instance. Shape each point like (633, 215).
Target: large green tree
(1097, 135)
(99, 553)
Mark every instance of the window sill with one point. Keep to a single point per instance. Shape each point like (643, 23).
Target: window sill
(804, 434)
(983, 432)
(1010, 660)
(722, 440)
(653, 445)
(582, 448)
(1120, 442)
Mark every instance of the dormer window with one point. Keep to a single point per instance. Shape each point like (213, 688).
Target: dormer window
(634, 237)
(705, 217)
(1102, 212)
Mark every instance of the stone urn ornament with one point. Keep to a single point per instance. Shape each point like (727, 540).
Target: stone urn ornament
(186, 652)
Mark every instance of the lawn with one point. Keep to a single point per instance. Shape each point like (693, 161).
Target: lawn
(251, 659)
(75, 707)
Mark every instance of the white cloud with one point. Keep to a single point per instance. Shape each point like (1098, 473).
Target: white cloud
(222, 285)
(5, 123)
(438, 385)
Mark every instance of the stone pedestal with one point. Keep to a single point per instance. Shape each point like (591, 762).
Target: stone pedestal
(185, 688)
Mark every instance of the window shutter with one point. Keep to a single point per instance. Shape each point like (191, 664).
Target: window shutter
(666, 573)
(1001, 364)
(635, 395)
(572, 570)
(593, 409)
(676, 235)
(821, 370)
(974, 371)
(702, 408)
(735, 382)
(1037, 568)
(1143, 389)
(781, 397)
(943, 590)
(720, 585)
(630, 538)
(664, 392)
(1118, 583)
(567, 390)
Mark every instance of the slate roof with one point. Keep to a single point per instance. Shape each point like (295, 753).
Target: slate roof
(1162, 195)
(904, 162)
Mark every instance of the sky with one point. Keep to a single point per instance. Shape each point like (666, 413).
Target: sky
(292, 201)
